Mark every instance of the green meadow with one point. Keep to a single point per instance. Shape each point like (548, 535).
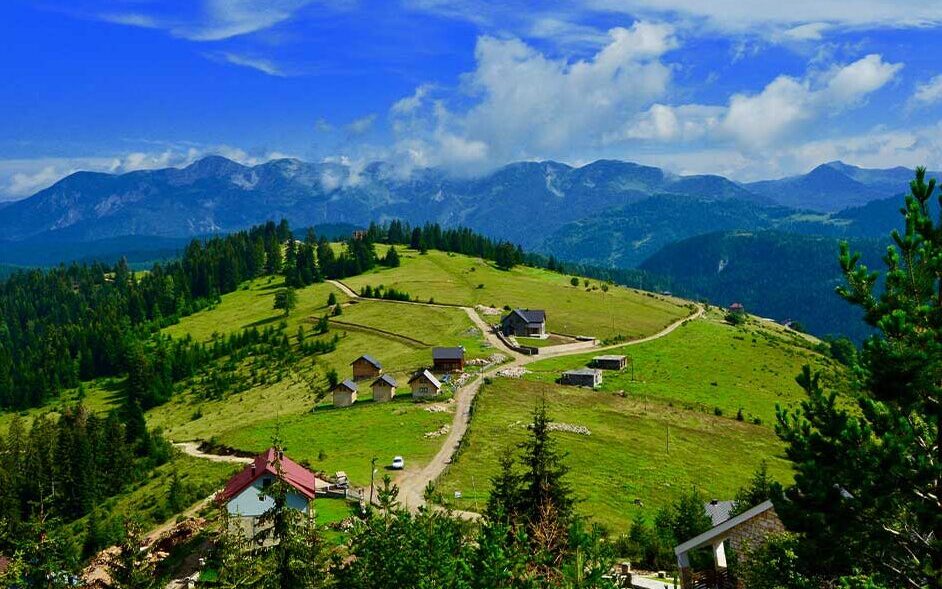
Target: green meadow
(572, 310)
(347, 439)
(639, 455)
(708, 364)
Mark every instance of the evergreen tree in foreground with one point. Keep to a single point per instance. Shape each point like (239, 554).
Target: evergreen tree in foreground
(868, 484)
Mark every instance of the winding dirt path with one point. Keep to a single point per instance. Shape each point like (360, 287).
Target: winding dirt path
(412, 483)
(193, 449)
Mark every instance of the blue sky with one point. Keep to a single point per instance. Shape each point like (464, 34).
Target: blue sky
(749, 90)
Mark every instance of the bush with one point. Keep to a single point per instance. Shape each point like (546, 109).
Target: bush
(717, 411)
(574, 281)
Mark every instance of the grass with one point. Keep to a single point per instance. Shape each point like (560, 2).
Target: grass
(100, 396)
(708, 364)
(253, 306)
(570, 310)
(189, 416)
(433, 326)
(146, 499)
(625, 458)
(346, 439)
(536, 342)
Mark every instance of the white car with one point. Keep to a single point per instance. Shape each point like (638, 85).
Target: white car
(398, 463)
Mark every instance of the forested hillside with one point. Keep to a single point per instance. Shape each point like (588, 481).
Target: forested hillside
(780, 275)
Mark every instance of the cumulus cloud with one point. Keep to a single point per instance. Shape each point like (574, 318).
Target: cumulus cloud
(928, 93)
(525, 104)
(412, 103)
(361, 125)
(781, 111)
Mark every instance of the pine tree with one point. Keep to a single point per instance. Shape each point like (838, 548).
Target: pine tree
(132, 567)
(391, 259)
(286, 299)
(869, 480)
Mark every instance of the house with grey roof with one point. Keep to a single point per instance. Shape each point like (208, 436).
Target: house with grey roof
(582, 377)
(345, 393)
(448, 359)
(365, 367)
(524, 323)
(384, 389)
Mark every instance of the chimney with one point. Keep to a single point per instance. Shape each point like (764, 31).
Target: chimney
(253, 469)
(713, 501)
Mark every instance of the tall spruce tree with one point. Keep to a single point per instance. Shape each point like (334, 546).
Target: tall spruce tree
(868, 487)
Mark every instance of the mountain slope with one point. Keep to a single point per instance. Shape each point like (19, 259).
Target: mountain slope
(520, 201)
(623, 237)
(835, 186)
(776, 275)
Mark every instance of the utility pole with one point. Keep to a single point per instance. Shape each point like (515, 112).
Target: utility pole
(372, 474)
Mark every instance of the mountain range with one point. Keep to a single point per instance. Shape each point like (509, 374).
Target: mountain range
(606, 213)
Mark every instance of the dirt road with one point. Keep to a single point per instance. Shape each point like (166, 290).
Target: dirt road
(412, 483)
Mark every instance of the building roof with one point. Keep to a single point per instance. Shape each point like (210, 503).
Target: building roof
(369, 359)
(583, 372)
(736, 307)
(616, 357)
(448, 353)
(347, 384)
(719, 531)
(719, 510)
(300, 478)
(427, 375)
(531, 316)
(385, 379)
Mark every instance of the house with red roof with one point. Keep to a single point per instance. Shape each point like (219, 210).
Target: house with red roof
(244, 495)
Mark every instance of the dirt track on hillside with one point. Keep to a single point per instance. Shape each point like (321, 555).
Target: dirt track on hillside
(412, 483)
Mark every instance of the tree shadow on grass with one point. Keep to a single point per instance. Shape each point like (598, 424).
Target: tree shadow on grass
(265, 321)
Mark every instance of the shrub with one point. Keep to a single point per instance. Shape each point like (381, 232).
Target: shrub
(717, 411)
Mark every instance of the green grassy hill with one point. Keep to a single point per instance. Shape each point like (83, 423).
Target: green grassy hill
(461, 280)
(687, 387)
(692, 381)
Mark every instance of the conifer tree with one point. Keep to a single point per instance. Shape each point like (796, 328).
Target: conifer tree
(868, 487)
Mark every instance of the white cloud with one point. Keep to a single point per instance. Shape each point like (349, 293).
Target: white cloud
(733, 15)
(519, 104)
(131, 19)
(531, 104)
(214, 20)
(853, 82)
(261, 64)
(928, 93)
(26, 183)
(412, 103)
(361, 125)
(813, 31)
(23, 177)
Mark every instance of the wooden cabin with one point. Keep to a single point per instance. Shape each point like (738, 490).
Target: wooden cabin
(424, 385)
(345, 393)
(524, 323)
(384, 389)
(365, 367)
(448, 359)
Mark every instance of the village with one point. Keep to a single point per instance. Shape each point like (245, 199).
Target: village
(448, 375)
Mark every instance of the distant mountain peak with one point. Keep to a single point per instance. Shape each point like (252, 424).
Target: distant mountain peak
(213, 165)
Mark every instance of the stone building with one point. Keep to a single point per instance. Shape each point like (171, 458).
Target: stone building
(748, 528)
